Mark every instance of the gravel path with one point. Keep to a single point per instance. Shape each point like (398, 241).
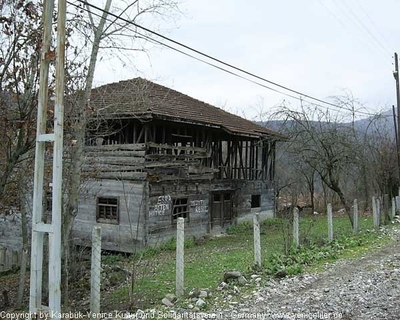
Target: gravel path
(364, 288)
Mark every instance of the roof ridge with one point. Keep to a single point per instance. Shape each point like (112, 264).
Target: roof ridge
(168, 102)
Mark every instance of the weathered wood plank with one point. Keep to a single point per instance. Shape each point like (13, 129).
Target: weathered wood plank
(91, 167)
(122, 175)
(169, 157)
(115, 160)
(201, 169)
(205, 176)
(116, 153)
(165, 146)
(177, 163)
(134, 146)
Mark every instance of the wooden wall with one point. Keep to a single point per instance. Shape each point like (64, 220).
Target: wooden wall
(130, 231)
(149, 165)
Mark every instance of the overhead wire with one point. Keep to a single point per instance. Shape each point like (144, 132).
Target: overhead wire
(373, 24)
(302, 95)
(366, 29)
(203, 61)
(335, 16)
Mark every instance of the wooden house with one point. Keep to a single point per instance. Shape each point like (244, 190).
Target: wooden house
(157, 154)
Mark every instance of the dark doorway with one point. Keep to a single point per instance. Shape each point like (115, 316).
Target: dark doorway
(221, 213)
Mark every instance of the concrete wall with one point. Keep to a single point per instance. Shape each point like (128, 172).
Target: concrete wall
(146, 209)
(161, 226)
(266, 191)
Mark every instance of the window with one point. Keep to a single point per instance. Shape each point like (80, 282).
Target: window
(255, 201)
(180, 209)
(107, 210)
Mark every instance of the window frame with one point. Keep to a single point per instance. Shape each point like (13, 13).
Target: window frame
(101, 219)
(175, 216)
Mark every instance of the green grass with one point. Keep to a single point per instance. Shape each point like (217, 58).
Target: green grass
(205, 264)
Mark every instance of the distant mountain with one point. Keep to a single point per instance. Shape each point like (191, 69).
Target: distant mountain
(382, 123)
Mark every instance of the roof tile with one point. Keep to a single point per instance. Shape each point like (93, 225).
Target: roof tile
(139, 96)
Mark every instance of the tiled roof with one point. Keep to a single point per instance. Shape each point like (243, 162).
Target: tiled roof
(138, 97)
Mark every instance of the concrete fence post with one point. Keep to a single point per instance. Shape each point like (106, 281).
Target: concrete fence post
(180, 259)
(14, 259)
(397, 198)
(296, 239)
(8, 259)
(330, 222)
(355, 216)
(375, 212)
(257, 239)
(95, 280)
(378, 210)
(386, 209)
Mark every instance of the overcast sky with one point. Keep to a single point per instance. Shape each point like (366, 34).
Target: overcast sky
(318, 47)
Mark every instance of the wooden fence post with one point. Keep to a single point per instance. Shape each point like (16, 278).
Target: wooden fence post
(296, 239)
(330, 222)
(355, 216)
(257, 239)
(393, 211)
(95, 280)
(180, 262)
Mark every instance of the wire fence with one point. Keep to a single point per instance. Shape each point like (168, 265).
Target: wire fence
(179, 234)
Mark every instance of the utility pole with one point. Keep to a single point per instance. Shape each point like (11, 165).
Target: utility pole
(43, 135)
(397, 128)
(397, 139)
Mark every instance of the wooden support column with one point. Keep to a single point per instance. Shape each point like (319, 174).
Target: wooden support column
(251, 160)
(256, 161)
(241, 169)
(246, 161)
(220, 163)
(235, 175)
(272, 176)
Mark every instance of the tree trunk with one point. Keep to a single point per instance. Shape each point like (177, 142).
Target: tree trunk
(333, 184)
(312, 196)
(366, 187)
(77, 153)
(335, 187)
(21, 148)
(24, 231)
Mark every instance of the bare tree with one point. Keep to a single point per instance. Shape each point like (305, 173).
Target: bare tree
(20, 41)
(19, 59)
(321, 143)
(101, 30)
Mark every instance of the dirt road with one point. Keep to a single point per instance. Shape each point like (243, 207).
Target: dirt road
(363, 288)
